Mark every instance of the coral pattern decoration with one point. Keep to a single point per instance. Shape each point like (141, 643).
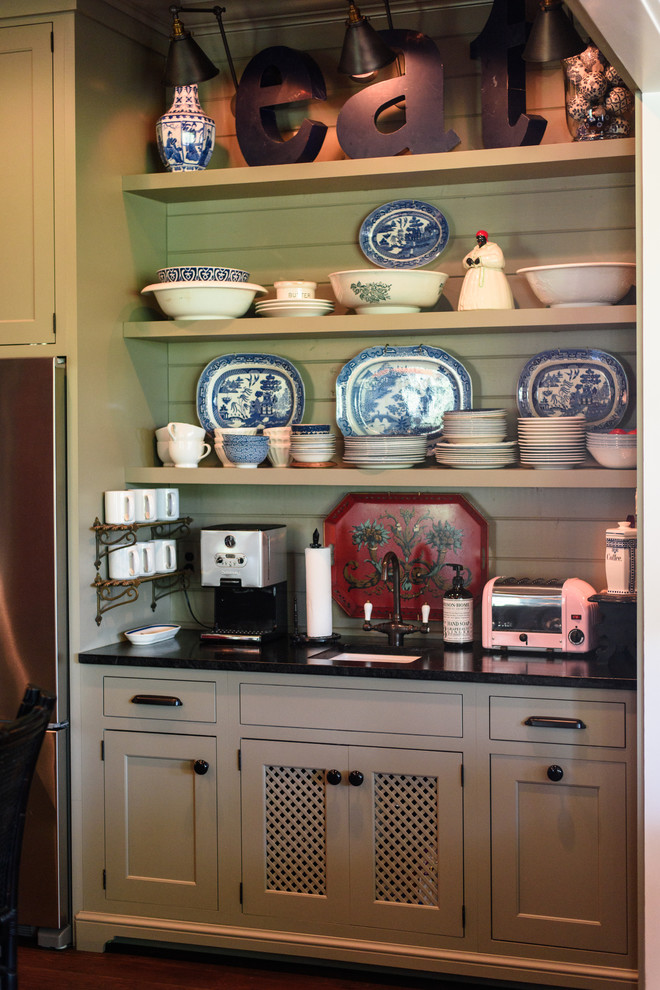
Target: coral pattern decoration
(427, 532)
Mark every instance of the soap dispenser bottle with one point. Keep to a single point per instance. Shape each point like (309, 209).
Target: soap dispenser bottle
(457, 611)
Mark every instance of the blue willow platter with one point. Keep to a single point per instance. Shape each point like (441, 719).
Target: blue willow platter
(249, 390)
(400, 390)
(404, 234)
(565, 382)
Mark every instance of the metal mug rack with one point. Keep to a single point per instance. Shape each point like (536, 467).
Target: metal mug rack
(111, 593)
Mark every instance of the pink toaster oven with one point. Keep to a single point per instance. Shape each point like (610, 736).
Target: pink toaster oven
(539, 614)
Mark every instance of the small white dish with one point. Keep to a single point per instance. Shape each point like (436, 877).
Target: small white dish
(146, 635)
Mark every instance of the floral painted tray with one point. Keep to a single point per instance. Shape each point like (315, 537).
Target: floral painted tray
(249, 390)
(426, 531)
(400, 390)
(565, 382)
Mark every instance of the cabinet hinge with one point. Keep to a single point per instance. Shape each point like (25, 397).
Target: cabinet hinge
(54, 322)
(240, 893)
(104, 879)
(463, 915)
(462, 775)
(52, 41)
(102, 750)
(238, 759)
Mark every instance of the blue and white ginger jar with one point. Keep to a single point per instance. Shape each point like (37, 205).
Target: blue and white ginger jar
(186, 135)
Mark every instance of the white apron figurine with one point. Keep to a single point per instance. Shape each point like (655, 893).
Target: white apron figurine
(485, 285)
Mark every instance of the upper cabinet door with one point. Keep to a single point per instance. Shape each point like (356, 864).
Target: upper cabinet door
(27, 263)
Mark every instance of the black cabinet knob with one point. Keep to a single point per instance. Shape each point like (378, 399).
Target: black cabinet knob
(333, 777)
(201, 767)
(356, 778)
(555, 773)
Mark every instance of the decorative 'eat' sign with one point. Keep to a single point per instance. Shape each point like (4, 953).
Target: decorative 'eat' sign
(504, 123)
(422, 88)
(276, 77)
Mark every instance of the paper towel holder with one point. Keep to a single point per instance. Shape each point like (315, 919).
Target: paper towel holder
(301, 639)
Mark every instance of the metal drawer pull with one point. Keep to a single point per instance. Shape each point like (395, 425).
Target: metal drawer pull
(156, 699)
(555, 722)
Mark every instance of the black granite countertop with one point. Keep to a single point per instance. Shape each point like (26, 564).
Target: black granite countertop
(188, 652)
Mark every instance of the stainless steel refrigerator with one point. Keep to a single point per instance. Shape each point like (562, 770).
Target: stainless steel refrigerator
(33, 620)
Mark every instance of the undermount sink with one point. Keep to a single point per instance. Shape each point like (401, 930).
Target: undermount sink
(365, 658)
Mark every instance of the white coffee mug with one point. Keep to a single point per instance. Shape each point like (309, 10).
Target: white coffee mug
(165, 552)
(188, 453)
(185, 431)
(146, 557)
(124, 563)
(167, 503)
(145, 504)
(119, 507)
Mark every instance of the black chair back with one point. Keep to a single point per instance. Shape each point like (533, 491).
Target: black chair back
(20, 742)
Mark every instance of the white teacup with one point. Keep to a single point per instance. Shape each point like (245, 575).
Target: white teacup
(146, 557)
(162, 440)
(185, 431)
(247, 431)
(167, 503)
(165, 553)
(188, 453)
(145, 504)
(222, 457)
(119, 507)
(278, 432)
(124, 563)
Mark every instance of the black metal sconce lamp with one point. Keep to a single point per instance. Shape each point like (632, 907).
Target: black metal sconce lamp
(186, 62)
(553, 36)
(364, 51)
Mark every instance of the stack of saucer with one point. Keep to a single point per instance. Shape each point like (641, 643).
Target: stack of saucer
(476, 455)
(293, 307)
(387, 451)
(472, 426)
(312, 444)
(553, 443)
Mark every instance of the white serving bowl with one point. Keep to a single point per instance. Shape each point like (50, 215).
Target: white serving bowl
(205, 300)
(387, 290)
(597, 283)
(614, 457)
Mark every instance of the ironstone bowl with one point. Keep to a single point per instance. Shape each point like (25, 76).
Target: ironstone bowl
(202, 273)
(598, 283)
(205, 300)
(387, 290)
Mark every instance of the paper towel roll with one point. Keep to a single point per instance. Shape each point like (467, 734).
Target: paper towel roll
(318, 584)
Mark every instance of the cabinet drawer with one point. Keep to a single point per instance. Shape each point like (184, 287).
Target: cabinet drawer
(558, 720)
(410, 713)
(157, 697)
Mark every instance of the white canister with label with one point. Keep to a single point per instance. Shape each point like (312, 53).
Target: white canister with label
(621, 559)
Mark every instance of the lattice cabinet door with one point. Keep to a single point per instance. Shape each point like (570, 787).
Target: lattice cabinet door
(406, 840)
(353, 834)
(295, 830)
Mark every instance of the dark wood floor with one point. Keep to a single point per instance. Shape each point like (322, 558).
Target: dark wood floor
(157, 969)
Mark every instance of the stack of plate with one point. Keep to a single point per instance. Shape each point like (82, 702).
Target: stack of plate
(553, 443)
(389, 451)
(293, 307)
(477, 455)
(312, 448)
(474, 426)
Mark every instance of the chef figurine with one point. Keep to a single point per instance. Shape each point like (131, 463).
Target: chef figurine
(485, 285)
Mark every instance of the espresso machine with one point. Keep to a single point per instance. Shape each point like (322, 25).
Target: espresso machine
(246, 564)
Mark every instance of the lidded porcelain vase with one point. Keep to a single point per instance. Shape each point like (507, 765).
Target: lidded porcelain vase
(185, 134)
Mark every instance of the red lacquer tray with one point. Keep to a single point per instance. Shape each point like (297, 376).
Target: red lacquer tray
(425, 531)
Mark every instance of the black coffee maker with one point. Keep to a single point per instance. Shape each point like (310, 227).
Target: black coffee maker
(246, 564)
